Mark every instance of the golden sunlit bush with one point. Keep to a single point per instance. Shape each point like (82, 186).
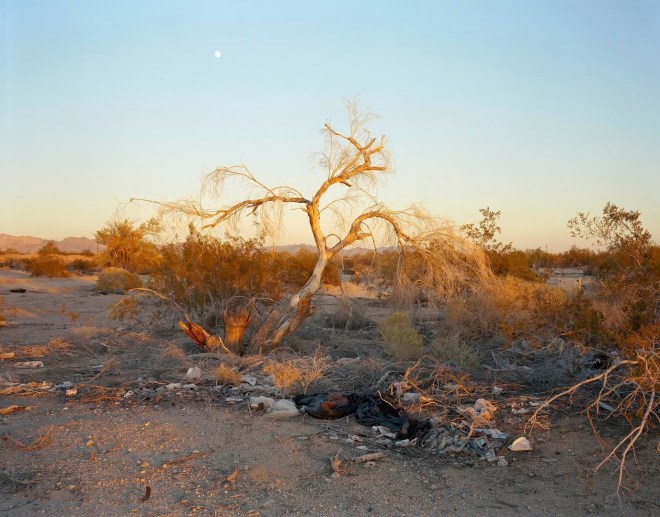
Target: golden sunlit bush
(508, 307)
(296, 375)
(454, 350)
(117, 279)
(50, 265)
(227, 375)
(401, 338)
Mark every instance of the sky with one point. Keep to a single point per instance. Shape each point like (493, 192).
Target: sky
(537, 109)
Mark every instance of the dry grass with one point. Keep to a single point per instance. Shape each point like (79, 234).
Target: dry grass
(56, 347)
(401, 338)
(295, 375)
(508, 307)
(227, 375)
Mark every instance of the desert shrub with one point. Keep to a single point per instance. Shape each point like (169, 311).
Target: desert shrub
(508, 307)
(227, 375)
(349, 316)
(452, 349)
(295, 375)
(52, 266)
(205, 275)
(82, 265)
(401, 338)
(117, 279)
(127, 245)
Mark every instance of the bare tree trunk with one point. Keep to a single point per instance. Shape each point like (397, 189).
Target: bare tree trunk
(236, 323)
(287, 317)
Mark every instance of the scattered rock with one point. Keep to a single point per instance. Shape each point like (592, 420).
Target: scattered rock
(29, 364)
(410, 398)
(284, 408)
(497, 390)
(249, 379)
(173, 386)
(261, 403)
(194, 373)
(501, 461)
(520, 445)
(71, 392)
(64, 386)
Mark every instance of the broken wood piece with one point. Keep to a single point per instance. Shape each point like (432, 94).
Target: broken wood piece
(369, 457)
(147, 494)
(12, 409)
(233, 476)
(201, 337)
(7, 355)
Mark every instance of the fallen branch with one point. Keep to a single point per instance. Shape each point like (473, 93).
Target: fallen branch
(640, 402)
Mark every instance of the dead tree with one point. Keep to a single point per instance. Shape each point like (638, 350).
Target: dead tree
(354, 162)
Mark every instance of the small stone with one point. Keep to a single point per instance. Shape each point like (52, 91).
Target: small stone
(501, 461)
(194, 373)
(72, 392)
(249, 379)
(497, 390)
(520, 445)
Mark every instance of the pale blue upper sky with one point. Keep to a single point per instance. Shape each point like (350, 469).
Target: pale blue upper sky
(538, 109)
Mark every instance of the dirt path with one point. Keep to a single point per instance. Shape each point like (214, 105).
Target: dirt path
(99, 459)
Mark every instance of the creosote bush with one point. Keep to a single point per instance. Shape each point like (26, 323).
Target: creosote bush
(454, 350)
(401, 338)
(52, 266)
(117, 279)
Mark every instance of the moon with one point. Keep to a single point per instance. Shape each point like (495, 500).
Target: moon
(217, 54)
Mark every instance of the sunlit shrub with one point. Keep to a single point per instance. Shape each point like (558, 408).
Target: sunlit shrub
(454, 350)
(401, 338)
(52, 266)
(117, 279)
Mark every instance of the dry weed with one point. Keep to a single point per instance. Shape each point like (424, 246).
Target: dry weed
(401, 338)
(56, 347)
(297, 375)
(227, 375)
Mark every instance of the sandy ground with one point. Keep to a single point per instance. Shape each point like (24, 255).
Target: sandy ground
(198, 454)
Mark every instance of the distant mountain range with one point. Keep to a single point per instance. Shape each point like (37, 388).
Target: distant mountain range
(28, 244)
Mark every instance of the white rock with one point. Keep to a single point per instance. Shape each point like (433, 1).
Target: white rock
(497, 390)
(261, 402)
(249, 379)
(284, 408)
(520, 444)
(410, 397)
(194, 373)
(29, 364)
(173, 386)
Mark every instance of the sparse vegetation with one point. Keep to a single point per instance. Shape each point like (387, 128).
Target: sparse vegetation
(453, 350)
(117, 279)
(128, 246)
(227, 375)
(48, 263)
(402, 340)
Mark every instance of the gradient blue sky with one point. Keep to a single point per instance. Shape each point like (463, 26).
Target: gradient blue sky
(537, 109)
